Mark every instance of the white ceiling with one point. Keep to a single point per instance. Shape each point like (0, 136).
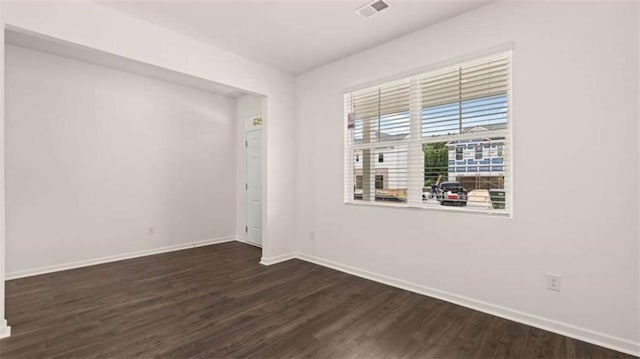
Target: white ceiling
(294, 36)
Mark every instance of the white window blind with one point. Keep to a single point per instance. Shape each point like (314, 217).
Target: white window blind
(443, 137)
(380, 128)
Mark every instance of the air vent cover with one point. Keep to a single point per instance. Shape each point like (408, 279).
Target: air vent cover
(371, 8)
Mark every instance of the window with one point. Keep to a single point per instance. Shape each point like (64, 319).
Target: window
(459, 153)
(441, 139)
(379, 182)
(478, 152)
(359, 182)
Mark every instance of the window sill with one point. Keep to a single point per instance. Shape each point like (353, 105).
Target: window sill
(475, 211)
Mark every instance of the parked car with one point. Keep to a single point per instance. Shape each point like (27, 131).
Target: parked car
(452, 194)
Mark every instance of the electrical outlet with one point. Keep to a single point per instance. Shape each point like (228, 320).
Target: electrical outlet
(151, 231)
(553, 282)
(312, 236)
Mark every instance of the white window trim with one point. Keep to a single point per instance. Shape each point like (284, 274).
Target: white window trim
(414, 182)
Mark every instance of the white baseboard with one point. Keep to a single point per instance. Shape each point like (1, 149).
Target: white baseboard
(5, 330)
(569, 330)
(267, 261)
(114, 258)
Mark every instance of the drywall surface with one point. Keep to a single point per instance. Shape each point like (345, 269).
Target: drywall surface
(575, 123)
(101, 162)
(98, 27)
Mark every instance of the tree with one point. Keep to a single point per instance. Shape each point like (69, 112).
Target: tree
(436, 162)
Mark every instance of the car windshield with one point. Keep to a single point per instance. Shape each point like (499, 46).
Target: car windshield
(451, 185)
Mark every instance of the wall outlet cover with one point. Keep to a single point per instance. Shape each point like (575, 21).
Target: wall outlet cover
(553, 282)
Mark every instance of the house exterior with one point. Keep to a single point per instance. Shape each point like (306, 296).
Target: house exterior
(390, 167)
(476, 163)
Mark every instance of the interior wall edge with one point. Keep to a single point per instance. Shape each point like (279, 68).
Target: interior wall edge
(638, 119)
(5, 330)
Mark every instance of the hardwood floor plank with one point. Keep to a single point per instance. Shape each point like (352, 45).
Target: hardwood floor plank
(218, 301)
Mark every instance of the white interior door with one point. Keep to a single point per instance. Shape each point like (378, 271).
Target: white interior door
(254, 186)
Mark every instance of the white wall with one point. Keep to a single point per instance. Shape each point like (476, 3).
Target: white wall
(95, 156)
(94, 26)
(98, 27)
(575, 82)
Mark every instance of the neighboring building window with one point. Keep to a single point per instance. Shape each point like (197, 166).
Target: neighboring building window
(459, 153)
(459, 127)
(379, 182)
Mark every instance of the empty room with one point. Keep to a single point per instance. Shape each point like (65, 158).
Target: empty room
(320, 179)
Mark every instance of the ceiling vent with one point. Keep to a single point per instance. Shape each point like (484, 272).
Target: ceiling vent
(371, 8)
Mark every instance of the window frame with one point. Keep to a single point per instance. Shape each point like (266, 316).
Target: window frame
(416, 138)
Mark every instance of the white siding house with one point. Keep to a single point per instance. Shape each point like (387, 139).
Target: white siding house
(477, 164)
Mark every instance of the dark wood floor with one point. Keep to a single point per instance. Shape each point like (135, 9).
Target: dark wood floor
(217, 301)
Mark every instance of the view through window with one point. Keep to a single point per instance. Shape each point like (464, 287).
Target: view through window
(439, 139)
